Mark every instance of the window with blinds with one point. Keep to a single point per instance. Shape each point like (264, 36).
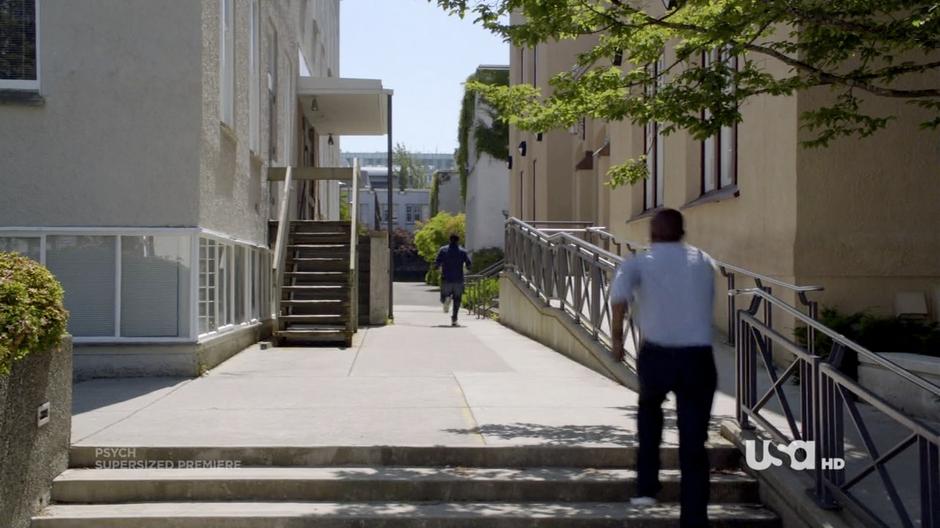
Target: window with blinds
(86, 266)
(18, 57)
(155, 286)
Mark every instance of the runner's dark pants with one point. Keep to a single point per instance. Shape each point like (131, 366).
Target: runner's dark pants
(455, 290)
(689, 372)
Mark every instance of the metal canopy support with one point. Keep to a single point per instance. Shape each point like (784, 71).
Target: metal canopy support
(391, 215)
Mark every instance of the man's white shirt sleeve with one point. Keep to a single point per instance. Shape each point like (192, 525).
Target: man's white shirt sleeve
(625, 281)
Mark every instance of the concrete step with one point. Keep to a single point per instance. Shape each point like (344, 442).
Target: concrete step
(458, 484)
(314, 319)
(721, 454)
(389, 515)
(319, 263)
(318, 277)
(302, 335)
(325, 237)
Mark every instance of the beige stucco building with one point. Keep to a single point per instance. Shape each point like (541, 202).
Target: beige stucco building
(859, 218)
(133, 161)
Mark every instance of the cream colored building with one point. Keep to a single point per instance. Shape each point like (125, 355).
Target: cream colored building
(133, 157)
(861, 218)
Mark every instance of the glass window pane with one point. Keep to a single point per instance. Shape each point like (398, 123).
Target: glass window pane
(18, 40)
(727, 156)
(154, 286)
(26, 246)
(708, 165)
(207, 292)
(240, 278)
(85, 265)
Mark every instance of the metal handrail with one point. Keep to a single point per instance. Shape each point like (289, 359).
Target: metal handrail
(352, 322)
(280, 244)
(478, 305)
(571, 273)
(836, 337)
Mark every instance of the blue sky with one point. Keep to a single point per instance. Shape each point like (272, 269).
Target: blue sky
(421, 53)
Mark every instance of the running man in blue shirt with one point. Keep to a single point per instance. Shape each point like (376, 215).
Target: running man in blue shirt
(451, 259)
(672, 287)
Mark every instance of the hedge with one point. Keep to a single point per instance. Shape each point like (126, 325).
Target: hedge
(32, 317)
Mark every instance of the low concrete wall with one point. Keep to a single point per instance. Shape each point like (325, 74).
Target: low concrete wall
(903, 395)
(520, 310)
(120, 360)
(378, 279)
(30, 455)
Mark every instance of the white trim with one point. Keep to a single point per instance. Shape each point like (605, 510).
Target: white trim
(30, 85)
(195, 263)
(130, 340)
(118, 264)
(125, 231)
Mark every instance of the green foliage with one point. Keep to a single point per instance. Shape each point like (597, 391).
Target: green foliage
(492, 139)
(859, 50)
(32, 317)
(435, 189)
(436, 232)
(482, 292)
(411, 174)
(484, 258)
(878, 333)
(433, 277)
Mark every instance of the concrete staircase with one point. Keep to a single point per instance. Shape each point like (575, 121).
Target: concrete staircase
(286, 487)
(315, 294)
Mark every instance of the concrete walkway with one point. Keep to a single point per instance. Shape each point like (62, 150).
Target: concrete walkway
(417, 382)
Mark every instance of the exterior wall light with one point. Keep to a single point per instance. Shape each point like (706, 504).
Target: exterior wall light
(329, 140)
(522, 148)
(509, 163)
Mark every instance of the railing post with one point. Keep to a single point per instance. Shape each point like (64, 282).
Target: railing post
(578, 287)
(732, 305)
(595, 296)
(929, 483)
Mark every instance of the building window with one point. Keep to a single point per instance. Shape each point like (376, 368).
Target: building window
(272, 95)
(155, 273)
(27, 246)
(86, 266)
(208, 273)
(19, 59)
(720, 152)
(409, 214)
(254, 83)
(227, 61)
(653, 147)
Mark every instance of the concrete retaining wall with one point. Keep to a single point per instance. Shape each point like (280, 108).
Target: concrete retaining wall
(903, 395)
(149, 359)
(30, 455)
(378, 279)
(520, 310)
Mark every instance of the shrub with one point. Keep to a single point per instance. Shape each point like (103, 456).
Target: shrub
(484, 258)
(32, 317)
(435, 233)
(484, 291)
(433, 277)
(877, 333)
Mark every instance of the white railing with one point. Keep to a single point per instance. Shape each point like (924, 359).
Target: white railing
(353, 322)
(280, 244)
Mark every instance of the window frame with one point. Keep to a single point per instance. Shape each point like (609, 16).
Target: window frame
(29, 85)
(714, 143)
(254, 75)
(654, 185)
(227, 62)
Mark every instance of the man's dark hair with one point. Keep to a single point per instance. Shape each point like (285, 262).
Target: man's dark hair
(667, 226)
(454, 239)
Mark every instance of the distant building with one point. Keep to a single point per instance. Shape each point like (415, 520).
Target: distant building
(487, 201)
(410, 206)
(430, 161)
(448, 192)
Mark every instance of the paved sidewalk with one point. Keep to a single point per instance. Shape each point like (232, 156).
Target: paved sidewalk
(417, 382)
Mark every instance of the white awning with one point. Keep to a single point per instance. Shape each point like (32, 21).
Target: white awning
(344, 107)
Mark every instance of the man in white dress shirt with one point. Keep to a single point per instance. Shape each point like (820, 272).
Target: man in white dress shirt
(672, 290)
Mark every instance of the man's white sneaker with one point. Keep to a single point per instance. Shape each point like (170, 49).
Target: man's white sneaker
(642, 501)
(446, 305)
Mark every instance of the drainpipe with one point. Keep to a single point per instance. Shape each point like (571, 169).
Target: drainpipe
(391, 215)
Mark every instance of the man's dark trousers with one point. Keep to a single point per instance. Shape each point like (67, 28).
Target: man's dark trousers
(689, 372)
(455, 291)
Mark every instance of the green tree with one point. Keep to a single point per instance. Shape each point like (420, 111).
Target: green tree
(436, 232)
(861, 50)
(411, 174)
(492, 139)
